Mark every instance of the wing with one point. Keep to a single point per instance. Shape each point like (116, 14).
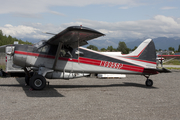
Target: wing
(72, 36)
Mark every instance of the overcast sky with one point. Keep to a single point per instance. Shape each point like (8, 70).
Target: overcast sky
(119, 19)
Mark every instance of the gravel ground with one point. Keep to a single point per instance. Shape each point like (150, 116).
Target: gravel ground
(93, 99)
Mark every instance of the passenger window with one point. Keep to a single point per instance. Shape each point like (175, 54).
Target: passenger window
(44, 49)
(65, 53)
(79, 53)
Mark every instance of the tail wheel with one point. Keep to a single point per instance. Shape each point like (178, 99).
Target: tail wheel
(149, 82)
(37, 82)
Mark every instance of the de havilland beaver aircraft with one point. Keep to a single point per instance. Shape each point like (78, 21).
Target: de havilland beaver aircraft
(62, 53)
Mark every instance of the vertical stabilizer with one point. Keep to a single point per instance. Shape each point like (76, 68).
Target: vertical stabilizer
(145, 51)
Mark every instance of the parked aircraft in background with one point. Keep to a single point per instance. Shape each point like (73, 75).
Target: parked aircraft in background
(62, 53)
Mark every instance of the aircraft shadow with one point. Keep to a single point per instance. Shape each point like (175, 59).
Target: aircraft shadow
(47, 92)
(125, 84)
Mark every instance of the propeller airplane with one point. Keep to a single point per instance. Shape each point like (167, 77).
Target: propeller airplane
(62, 54)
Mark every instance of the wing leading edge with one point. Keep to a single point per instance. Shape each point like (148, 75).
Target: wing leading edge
(75, 36)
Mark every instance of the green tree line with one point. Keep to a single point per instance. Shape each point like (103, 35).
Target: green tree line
(122, 47)
(171, 49)
(5, 40)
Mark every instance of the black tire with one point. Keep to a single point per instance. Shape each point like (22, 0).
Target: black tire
(37, 82)
(149, 82)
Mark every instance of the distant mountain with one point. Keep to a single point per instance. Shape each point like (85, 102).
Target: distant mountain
(104, 43)
(164, 43)
(160, 43)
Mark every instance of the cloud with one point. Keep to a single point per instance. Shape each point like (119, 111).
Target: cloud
(158, 26)
(22, 31)
(41, 6)
(168, 8)
(31, 32)
(57, 13)
(26, 15)
(125, 7)
(23, 6)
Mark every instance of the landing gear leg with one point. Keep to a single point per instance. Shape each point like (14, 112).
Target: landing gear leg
(149, 82)
(27, 80)
(28, 76)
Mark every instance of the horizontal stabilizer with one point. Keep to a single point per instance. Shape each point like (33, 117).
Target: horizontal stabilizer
(163, 70)
(155, 71)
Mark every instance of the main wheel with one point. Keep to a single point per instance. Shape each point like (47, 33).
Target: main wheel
(149, 82)
(37, 82)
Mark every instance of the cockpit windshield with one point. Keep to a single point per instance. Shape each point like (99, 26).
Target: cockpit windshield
(40, 43)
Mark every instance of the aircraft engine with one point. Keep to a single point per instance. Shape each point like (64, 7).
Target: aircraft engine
(19, 56)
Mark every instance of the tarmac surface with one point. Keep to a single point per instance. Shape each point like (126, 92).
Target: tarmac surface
(93, 99)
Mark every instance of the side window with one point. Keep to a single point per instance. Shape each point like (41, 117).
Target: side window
(79, 53)
(62, 53)
(65, 53)
(44, 49)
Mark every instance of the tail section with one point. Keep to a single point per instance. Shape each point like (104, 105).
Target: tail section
(145, 51)
(144, 55)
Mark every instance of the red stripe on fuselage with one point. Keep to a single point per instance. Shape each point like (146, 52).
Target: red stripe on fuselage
(98, 63)
(34, 54)
(89, 61)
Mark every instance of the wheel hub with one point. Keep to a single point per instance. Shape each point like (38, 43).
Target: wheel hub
(37, 82)
(149, 82)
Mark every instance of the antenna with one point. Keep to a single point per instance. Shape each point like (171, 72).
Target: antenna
(49, 33)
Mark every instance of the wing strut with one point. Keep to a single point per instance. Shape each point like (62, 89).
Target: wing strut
(78, 47)
(57, 54)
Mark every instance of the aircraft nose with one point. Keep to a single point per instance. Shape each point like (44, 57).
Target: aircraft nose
(19, 57)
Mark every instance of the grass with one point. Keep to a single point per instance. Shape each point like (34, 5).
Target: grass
(173, 62)
(2, 67)
(172, 68)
